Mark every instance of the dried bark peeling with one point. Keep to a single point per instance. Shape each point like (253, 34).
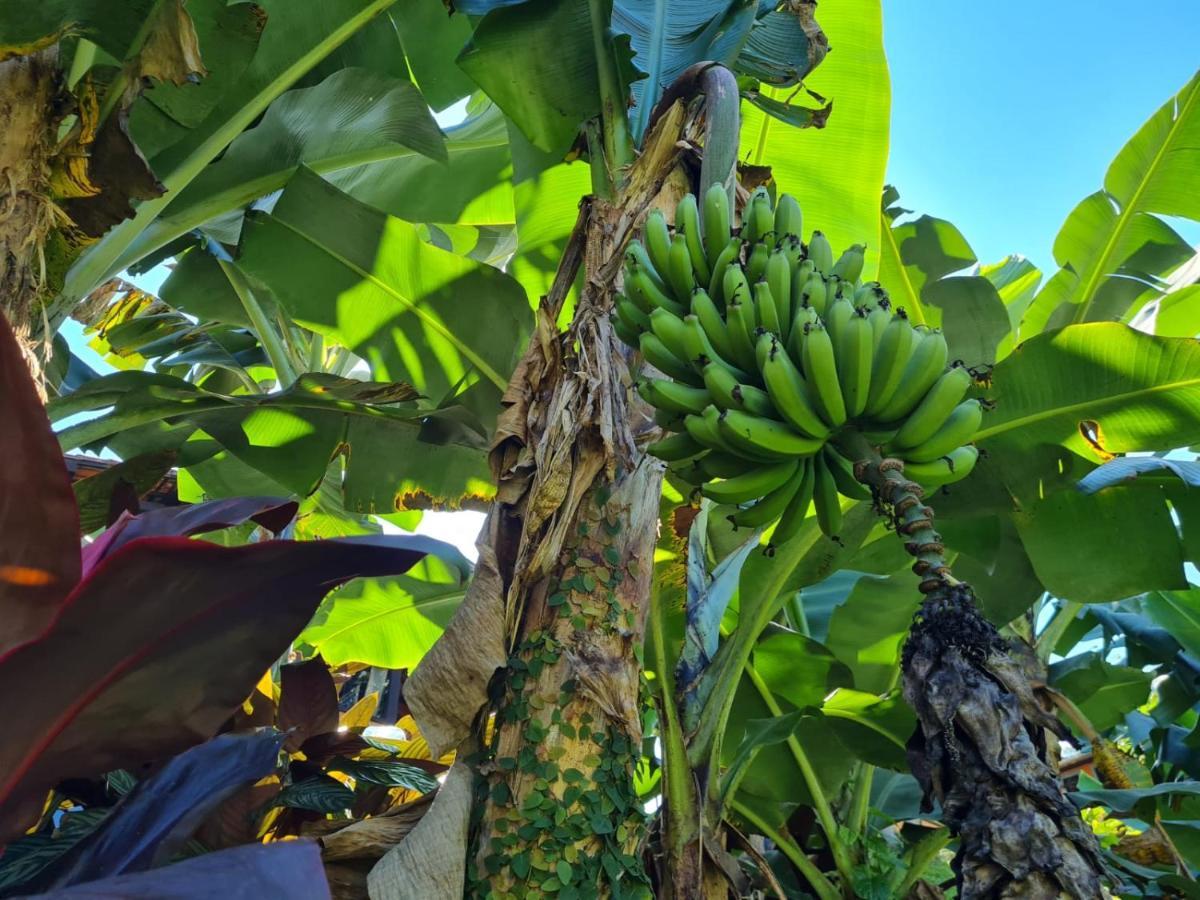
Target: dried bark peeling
(558, 602)
(984, 746)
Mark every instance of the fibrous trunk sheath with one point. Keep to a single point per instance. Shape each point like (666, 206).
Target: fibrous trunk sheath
(980, 748)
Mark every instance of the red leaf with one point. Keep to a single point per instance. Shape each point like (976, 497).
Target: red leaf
(308, 702)
(272, 513)
(290, 869)
(39, 524)
(150, 654)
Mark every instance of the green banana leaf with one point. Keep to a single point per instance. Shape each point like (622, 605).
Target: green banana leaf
(836, 172)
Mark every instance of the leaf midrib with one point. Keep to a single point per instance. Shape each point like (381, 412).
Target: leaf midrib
(1100, 270)
(1107, 400)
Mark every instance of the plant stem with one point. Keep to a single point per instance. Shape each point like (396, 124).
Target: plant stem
(816, 878)
(613, 108)
(820, 803)
(919, 858)
(1056, 627)
(860, 800)
(797, 615)
(316, 353)
(271, 342)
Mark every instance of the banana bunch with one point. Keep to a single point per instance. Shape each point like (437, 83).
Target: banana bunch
(771, 348)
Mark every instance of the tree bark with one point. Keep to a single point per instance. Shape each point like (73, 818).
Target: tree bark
(29, 94)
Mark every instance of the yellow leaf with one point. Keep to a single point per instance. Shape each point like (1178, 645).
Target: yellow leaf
(359, 715)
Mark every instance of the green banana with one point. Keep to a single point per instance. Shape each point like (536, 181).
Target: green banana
(788, 217)
(806, 315)
(825, 498)
(850, 264)
(662, 393)
(954, 466)
(959, 428)
(717, 223)
(934, 409)
(793, 248)
(647, 295)
(879, 318)
(688, 471)
(813, 294)
(704, 431)
(675, 448)
(926, 363)
(727, 257)
(657, 236)
(628, 334)
(736, 289)
(729, 393)
(668, 420)
(742, 327)
(779, 278)
(712, 321)
(834, 290)
(842, 471)
(853, 352)
(751, 484)
(700, 350)
(756, 265)
(871, 294)
(716, 464)
(636, 253)
(788, 391)
(680, 274)
(687, 222)
(772, 505)
(797, 510)
(758, 217)
(766, 312)
(665, 361)
(668, 328)
(754, 434)
(820, 251)
(891, 358)
(630, 313)
(820, 370)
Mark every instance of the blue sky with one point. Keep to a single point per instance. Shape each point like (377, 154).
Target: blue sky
(1003, 121)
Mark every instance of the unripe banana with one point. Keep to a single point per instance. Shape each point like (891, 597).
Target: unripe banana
(925, 365)
(820, 251)
(665, 361)
(700, 351)
(872, 295)
(772, 505)
(716, 464)
(756, 265)
(850, 264)
(792, 248)
(668, 420)
(628, 334)
(703, 429)
(629, 313)
(636, 254)
(788, 218)
(789, 392)
(836, 317)
(934, 409)
(855, 349)
(675, 447)
(813, 295)
(954, 466)
(729, 393)
(713, 322)
(662, 393)
(727, 257)
(766, 312)
(751, 484)
(680, 275)
(717, 223)
(820, 369)
(657, 236)
(754, 434)
(959, 428)
(842, 471)
(758, 217)
(779, 278)
(806, 315)
(647, 295)
(891, 358)
(742, 327)
(879, 318)
(834, 290)
(825, 498)
(668, 328)
(797, 509)
(688, 472)
(736, 288)
(687, 223)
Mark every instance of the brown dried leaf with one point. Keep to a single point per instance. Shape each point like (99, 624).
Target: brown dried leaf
(171, 51)
(372, 838)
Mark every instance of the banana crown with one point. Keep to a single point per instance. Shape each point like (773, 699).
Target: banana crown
(771, 348)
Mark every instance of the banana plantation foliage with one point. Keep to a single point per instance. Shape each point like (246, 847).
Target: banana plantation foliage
(820, 558)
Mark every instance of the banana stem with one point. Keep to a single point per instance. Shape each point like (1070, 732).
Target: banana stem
(860, 800)
(789, 848)
(614, 114)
